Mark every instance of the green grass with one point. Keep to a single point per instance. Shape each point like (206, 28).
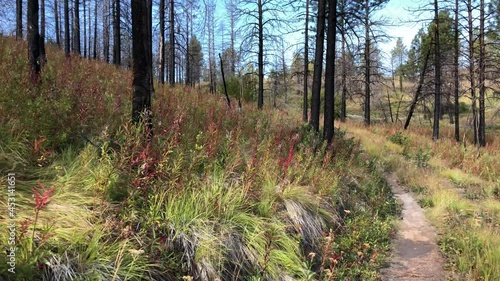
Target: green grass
(217, 193)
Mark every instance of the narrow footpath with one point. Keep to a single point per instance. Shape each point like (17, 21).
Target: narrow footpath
(415, 254)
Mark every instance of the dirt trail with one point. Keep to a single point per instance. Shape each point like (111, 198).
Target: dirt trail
(415, 255)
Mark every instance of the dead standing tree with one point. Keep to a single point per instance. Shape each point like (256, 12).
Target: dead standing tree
(142, 55)
(33, 42)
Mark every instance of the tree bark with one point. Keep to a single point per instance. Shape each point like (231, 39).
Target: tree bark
(84, 28)
(456, 46)
(43, 58)
(343, 110)
(188, 66)
(367, 64)
(19, 19)
(33, 42)
(56, 19)
(66, 28)
(95, 31)
(105, 31)
(437, 71)
(116, 34)
(76, 28)
(472, 72)
(329, 112)
(162, 41)
(482, 87)
(318, 67)
(172, 44)
(42, 19)
(260, 102)
(142, 66)
(306, 65)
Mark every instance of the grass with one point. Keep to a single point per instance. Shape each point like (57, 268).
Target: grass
(456, 185)
(217, 193)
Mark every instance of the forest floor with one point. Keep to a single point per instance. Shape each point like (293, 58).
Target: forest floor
(415, 253)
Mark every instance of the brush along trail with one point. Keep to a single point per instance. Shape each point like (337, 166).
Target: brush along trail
(415, 254)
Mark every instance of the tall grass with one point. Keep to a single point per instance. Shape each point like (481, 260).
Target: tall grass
(217, 193)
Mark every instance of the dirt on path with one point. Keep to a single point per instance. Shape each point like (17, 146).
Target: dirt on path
(415, 254)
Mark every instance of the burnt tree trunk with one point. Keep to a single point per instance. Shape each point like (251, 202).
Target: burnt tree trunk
(105, 31)
(260, 59)
(472, 71)
(66, 28)
(116, 34)
(437, 73)
(172, 44)
(33, 42)
(84, 28)
(482, 87)
(19, 19)
(343, 107)
(162, 41)
(318, 67)
(142, 62)
(94, 55)
(367, 64)
(76, 28)
(306, 65)
(456, 47)
(56, 19)
(330, 72)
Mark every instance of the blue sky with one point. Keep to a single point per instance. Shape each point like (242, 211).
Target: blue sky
(399, 12)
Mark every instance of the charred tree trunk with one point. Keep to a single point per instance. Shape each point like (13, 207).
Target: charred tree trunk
(84, 28)
(172, 44)
(437, 71)
(318, 67)
(43, 57)
(105, 31)
(66, 28)
(116, 34)
(19, 19)
(343, 108)
(162, 41)
(33, 42)
(76, 28)
(306, 65)
(482, 87)
(330, 72)
(95, 31)
(142, 66)
(56, 15)
(472, 72)
(367, 64)
(260, 101)
(456, 47)
(188, 66)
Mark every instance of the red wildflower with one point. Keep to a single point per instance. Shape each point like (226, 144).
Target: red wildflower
(42, 199)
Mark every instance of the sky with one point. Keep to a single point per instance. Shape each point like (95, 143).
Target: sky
(404, 25)
(396, 11)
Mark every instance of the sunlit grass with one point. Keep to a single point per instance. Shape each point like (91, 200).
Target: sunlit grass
(457, 186)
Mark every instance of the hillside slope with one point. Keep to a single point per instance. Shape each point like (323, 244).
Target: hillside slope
(217, 194)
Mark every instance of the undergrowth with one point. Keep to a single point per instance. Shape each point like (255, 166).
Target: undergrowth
(217, 194)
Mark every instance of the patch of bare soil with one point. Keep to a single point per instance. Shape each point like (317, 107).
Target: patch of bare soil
(415, 254)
